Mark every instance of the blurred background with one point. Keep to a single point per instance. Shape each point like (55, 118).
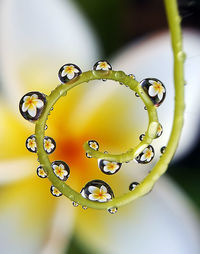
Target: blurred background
(116, 25)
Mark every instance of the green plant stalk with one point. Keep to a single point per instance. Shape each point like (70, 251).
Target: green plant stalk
(147, 184)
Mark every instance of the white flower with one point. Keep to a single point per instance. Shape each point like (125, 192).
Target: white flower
(31, 103)
(60, 171)
(48, 145)
(69, 71)
(31, 144)
(156, 89)
(147, 154)
(111, 166)
(103, 65)
(93, 144)
(99, 194)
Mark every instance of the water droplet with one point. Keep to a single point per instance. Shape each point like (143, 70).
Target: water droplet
(68, 72)
(146, 155)
(141, 137)
(51, 108)
(159, 131)
(145, 108)
(45, 127)
(102, 65)
(136, 94)
(155, 89)
(49, 145)
(104, 80)
(31, 144)
(131, 76)
(31, 105)
(105, 152)
(133, 185)
(55, 192)
(163, 149)
(93, 144)
(88, 155)
(74, 204)
(98, 191)
(61, 170)
(112, 210)
(109, 167)
(41, 173)
(181, 55)
(84, 207)
(121, 83)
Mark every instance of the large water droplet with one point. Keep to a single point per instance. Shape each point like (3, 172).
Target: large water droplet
(155, 89)
(146, 155)
(109, 167)
(31, 105)
(98, 191)
(93, 144)
(61, 170)
(68, 71)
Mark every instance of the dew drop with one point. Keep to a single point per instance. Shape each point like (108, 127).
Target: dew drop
(55, 192)
(93, 144)
(155, 89)
(41, 173)
(45, 127)
(133, 185)
(84, 207)
(109, 167)
(141, 137)
(61, 170)
(102, 65)
(136, 94)
(88, 155)
(68, 72)
(49, 145)
(145, 108)
(159, 131)
(31, 144)
(97, 191)
(112, 210)
(74, 204)
(131, 76)
(146, 155)
(29, 101)
(163, 149)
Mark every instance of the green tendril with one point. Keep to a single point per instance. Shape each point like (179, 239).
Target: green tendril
(146, 185)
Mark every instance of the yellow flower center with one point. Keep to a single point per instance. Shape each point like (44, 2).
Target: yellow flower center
(148, 154)
(69, 69)
(158, 87)
(47, 144)
(111, 165)
(103, 65)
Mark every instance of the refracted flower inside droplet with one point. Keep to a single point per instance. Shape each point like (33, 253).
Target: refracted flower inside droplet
(61, 170)
(55, 192)
(102, 65)
(146, 156)
(97, 190)
(31, 105)
(68, 72)
(31, 144)
(159, 131)
(155, 89)
(112, 210)
(49, 145)
(109, 167)
(93, 144)
(133, 185)
(41, 173)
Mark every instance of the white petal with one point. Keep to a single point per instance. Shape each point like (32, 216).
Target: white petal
(93, 189)
(152, 92)
(39, 104)
(93, 197)
(34, 46)
(103, 189)
(160, 96)
(70, 76)
(32, 111)
(24, 108)
(143, 158)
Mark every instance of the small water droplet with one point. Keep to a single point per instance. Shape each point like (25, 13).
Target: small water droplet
(181, 56)
(141, 137)
(74, 204)
(104, 80)
(133, 185)
(163, 149)
(84, 207)
(112, 210)
(51, 108)
(97, 191)
(45, 127)
(145, 108)
(159, 131)
(131, 76)
(88, 155)
(136, 94)
(93, 144)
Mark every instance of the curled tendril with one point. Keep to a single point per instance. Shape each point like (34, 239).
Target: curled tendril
(146, 185)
